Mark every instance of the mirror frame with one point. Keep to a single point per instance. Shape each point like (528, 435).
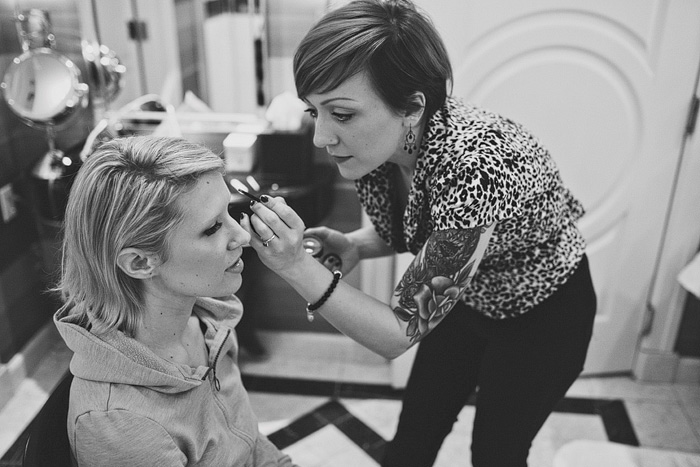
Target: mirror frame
(74, 95)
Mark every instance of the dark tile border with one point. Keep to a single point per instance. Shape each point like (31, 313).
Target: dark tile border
(307, 387)
(612, 412)
(331, 413)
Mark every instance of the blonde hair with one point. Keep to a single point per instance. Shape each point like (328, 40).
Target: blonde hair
(123, 196)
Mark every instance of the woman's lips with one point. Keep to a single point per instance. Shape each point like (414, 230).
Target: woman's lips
(236, 267)
(340, 159)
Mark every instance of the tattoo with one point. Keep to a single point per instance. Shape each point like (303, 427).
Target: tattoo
(434, 281)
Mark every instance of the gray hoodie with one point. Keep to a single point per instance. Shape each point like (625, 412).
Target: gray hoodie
(129, 407)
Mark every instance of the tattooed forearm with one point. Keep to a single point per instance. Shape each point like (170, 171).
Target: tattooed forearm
(436, 279)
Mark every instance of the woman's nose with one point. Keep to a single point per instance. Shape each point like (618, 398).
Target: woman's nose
(239, 236)
(322, 136)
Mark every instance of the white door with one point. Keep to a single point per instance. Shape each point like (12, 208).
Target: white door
(606, 85)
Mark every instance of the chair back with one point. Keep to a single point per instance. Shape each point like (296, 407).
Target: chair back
(48, 443)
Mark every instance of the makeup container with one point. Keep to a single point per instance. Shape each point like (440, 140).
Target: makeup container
(314, 246)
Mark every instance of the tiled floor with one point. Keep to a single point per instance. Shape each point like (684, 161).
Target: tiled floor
(664, 417)
(328, 402)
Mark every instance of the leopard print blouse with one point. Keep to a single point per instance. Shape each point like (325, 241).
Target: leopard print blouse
(475, 168)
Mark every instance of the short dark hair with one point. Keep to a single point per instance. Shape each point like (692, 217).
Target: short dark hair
(395, 43)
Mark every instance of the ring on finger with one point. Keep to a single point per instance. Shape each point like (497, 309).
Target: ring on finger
(267, 242)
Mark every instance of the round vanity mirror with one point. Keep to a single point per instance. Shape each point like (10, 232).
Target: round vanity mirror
(43, 87)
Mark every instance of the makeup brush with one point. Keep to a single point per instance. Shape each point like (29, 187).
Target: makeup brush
(242, 189)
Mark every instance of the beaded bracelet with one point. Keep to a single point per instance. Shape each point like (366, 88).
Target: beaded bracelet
(311, 307)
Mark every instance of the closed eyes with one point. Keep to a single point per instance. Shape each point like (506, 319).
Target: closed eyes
(213, 229)
(339, 116)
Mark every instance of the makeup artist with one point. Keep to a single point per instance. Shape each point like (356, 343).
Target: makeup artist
(499, 294)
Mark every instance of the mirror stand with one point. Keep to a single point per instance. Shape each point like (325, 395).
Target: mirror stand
(54, 163)
(56, 155)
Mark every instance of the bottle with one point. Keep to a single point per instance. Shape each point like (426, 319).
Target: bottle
(314, 246)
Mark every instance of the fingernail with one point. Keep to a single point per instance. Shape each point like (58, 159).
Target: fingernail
(264, 198)
(242, 216)
(252, 202)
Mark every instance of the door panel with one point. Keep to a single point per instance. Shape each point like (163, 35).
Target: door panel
(606, 86)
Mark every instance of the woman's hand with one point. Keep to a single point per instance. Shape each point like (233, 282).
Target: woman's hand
(337, 243)
(276, 233)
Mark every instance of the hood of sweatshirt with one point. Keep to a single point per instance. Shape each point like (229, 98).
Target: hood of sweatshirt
(114, 357)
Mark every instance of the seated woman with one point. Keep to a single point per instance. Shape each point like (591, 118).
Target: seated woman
(148, 243)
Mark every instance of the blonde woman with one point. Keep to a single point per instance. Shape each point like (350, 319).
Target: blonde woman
(148, 243)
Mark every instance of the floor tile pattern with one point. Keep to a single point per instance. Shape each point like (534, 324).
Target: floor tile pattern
(345, 391)
(363, 425)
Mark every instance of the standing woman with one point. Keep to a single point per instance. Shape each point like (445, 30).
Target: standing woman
(499, 294)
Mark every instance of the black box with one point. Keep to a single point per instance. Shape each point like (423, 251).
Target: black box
(284, 157)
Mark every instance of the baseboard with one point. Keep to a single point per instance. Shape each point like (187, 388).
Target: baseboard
(688, 371)
(666, 367)
(655, 367)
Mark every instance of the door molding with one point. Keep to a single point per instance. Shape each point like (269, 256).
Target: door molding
(656, 359)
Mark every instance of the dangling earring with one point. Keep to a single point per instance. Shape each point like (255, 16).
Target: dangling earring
(410, 143)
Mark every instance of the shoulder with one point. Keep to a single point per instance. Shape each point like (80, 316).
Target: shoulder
(87, 395)
(476, 166)
(124, 437)
(464, 140)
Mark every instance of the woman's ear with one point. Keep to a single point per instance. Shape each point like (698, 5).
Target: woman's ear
(414, 113)
(136, 263)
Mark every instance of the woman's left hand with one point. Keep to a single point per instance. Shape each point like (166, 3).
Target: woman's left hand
(276, 232)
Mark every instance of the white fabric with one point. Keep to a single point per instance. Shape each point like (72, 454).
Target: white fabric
(689, 276)
(585, 453)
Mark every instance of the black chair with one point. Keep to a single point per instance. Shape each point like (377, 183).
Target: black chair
(48, 443)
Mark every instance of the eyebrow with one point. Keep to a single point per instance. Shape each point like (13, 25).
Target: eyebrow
(327, 101)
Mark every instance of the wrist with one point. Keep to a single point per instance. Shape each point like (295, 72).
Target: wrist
(299, 270)
(312, 307)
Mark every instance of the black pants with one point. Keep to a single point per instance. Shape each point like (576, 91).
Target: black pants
(522, 367)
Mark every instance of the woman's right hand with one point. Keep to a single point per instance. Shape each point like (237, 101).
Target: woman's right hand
(338, 243)
(276, 234)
